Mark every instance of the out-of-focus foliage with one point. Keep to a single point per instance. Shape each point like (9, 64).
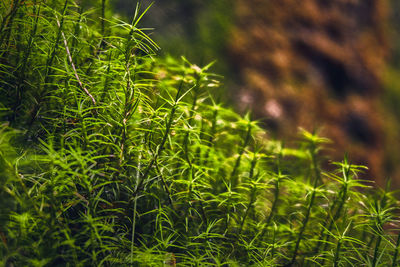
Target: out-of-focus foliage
(197, 29)
(394, 26)
(319, 64)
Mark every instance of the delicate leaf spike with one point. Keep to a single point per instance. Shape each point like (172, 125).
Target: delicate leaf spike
(313, 138)
(137, 18)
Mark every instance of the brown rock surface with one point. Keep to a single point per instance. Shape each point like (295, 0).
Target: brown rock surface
(314, 63)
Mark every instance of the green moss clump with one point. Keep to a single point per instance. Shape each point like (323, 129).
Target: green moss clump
(110, 155)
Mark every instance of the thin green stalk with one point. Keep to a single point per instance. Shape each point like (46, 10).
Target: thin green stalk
(343, 199)
(310, 205)
(303, 227)
(52, 55)
(130, 105)
(165, 184)
(6, 25)
(380, 215)
(25, 61)
(337, 253)
(191, 114)
(103, 17)
(48, 71)
(233, 175)
(107, 78)
(376, 250)
(133, 227)
(396, 251)
(328, 221)
(197, 156)
(139, 163)
(276, 194)
(18, 44)
(273, 208)
(160, 148)
(77, 31)
(379, 232)
(187, 134)
(342, 193)
(211, 137)
(252, 193)
(186, 152)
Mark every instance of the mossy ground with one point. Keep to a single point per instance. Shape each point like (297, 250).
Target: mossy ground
(111, 155)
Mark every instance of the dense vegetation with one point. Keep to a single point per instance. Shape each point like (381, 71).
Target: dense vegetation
(110, 155)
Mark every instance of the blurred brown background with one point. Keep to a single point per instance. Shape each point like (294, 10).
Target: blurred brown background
(318, 64)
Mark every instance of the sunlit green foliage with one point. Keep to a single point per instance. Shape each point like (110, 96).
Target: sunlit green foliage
(112, 156)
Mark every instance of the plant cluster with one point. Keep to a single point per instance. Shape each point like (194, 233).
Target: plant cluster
(112, 156)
